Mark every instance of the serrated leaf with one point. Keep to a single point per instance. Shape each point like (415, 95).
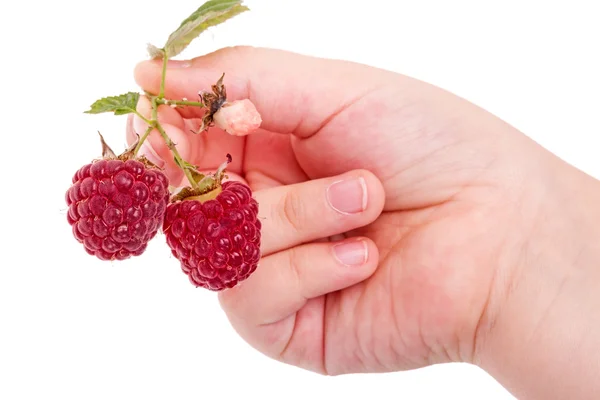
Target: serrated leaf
(211, 13)
(119, 105)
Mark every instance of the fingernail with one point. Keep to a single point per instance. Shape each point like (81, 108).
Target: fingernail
(351, 253)
(179, 63)
(349, 196)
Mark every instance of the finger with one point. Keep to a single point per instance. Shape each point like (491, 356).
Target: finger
(293, 93)
(136, 126)
(260, 171)
(205, 150)
(155, 149)
(132, 134)
(285, 281)
(304, 212)
(191, 147)
(166, 114)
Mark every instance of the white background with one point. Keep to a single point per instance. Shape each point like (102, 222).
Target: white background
(72, 327)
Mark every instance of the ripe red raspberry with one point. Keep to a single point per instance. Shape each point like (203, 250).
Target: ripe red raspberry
(116, 205)
(217, 238)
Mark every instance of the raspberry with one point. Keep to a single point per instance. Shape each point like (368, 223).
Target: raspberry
(238, 118)
(216, 239)
(116, 205)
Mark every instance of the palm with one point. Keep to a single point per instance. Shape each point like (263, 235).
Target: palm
(430, 268)
(442, 179)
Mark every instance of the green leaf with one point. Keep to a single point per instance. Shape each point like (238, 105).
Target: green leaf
(119, 105)
(211, 13)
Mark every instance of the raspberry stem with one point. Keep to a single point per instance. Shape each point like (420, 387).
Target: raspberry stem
(179, 102)
(179, 161)
(161, 93)
(190, 172)
(155, 102)
(146, 120)
(154, 124)
(143, 138)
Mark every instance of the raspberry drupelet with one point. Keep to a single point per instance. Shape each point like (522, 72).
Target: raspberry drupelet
(116, 205)
(216, 236)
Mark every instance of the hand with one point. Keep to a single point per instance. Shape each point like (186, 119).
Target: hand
(434, 200)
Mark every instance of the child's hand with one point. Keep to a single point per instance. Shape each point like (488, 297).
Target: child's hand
(436, 203)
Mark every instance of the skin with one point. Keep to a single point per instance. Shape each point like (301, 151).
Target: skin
(479, 240)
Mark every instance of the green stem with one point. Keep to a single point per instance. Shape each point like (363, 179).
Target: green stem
(154, 124)
(146, 120)
(180, 102)
(161, 93)
(180, 162)
(143, 138)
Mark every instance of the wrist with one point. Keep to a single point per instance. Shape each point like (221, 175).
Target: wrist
(540, 334)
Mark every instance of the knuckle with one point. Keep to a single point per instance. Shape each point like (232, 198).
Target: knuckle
(295, 267)
(242, 50)
(236, 54)
(293, 211)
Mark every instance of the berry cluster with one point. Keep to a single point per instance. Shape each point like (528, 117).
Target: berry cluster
(118, 203)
